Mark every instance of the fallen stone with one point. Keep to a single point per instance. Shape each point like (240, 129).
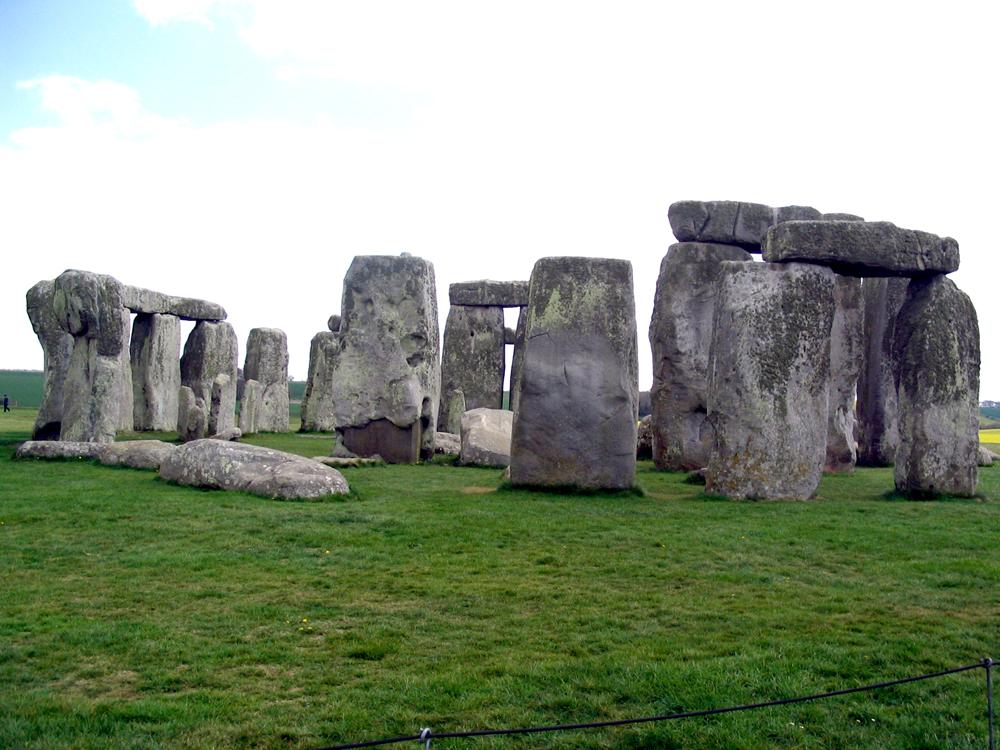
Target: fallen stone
(448, 443)
(210, 351)
(731, 222)
(316, 410)
(936, 366)
(260, 471)
(340, 463)
(489, 293)
(472, 360)
(486, 437)
(58, 449)
(57, 349)
(862, 248)
(576, 423)
(769, 380)
(232, 435)
(842, 217)
(680, 336)
(146, 301)
(985, 457)
(877, 426)
(155, 352)
(267, 363)
(846, 349)
(136, 454)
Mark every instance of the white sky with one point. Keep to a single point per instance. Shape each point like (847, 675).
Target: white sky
(510, 132)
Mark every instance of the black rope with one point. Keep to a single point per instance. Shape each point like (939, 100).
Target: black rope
(663, 717)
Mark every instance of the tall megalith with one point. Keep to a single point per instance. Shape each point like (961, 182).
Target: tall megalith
(472, 360)
(846, 348)
(769, 380)
(211, 350)
(317, 401)
(57, 350)
(936, 367)
(576, 421)
(267, 364)
(680, 335)
(155, 352)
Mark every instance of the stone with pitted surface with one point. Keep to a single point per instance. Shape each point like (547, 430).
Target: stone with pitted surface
(316, 410)
(472, 361)
(267, 363)
(731, 222)
(57, 349)
(140, 300)
(155, 352)
(489, 293)
(192, 415)
(210, 351)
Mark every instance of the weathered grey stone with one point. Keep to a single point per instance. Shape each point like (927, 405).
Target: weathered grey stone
(141, 300)
(862, 248)
(249, 468)
(576, 423)
(192, 415)
(316, 410)
(210, 351)
(846, 349)
(253, 394)
(126, 417)
(985, 457)
(487, 293)
(58, 450)
(731, 222)
(267, 363)
(387, 367)
(472, 360)
(57, 348)
(769, 380)
(232, 434)
(680, 336)
(339, 463)
(517, 359)
(486, 437)
(877, 428)
(89, 306)
(136, 454)
(454, 407)
(645, 403)
(448, 442)
(841, 217)
(155, 352)
(644, 439)
(333, 323)
(936, 367)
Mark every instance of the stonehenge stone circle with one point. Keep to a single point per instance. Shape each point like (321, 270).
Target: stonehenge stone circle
(846, 349)
(877, 429)
(862, 248)
(680, 335)
(317, 401)
(386, 372)
(472, 360)
(769, 380)
(267, 363)
(936, 366)
(485, 437)
(731, 222)
(576, 424)
(210, 351)
(155, 352)
(57, 349)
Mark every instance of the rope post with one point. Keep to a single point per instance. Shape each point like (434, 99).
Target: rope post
(988, 666)
(425, 736)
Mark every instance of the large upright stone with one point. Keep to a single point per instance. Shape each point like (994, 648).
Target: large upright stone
(846, 348)
(769, 380)
(731, 222)
(89, 307)
(211, 350)
(517, 359)
(862, 248)
(316, 409)
(126, 416)
(155, 352)
(57, 349)
(250, 407)
(192, 415)
(489, 293)
(936, 366)
(472, 360)
(267, 363)
(576, 422)
(878, 432)
(680, 335)
(386, 372)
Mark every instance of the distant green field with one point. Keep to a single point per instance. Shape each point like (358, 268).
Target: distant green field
(23, 387)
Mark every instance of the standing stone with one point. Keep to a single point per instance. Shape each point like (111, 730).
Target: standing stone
(317, 401)
(576, 421)
(936, 366)
(89, 307)
(155, 352)
(192, 416)
(878, 433)
(222, 416)
(386, 372)
(680, 335)
(267, 363)
(127, 407)
(769, 380)
(57, 349)
(250, 407)
(210, 351)
(846, 346)
(517, 360)
(472, 360)
(456, 408)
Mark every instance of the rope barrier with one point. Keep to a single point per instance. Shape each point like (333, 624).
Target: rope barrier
(426, 735)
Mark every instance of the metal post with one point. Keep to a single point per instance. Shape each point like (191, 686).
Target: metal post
(988, 664)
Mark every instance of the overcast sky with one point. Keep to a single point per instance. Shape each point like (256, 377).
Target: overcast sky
(243, 151)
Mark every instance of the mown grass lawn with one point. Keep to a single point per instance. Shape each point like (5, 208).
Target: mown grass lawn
(136, 614)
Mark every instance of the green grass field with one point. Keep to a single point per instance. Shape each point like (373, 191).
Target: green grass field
(137, 614)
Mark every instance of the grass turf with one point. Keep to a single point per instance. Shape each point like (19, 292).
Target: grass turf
(134, 613)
